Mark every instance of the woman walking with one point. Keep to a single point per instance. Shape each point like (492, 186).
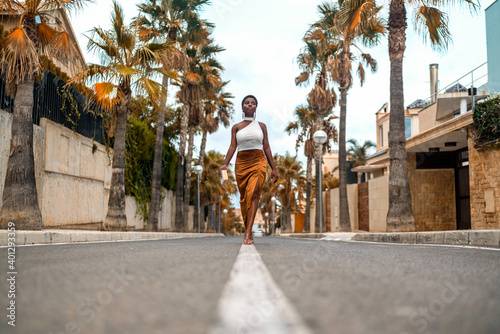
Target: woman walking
(250, 138)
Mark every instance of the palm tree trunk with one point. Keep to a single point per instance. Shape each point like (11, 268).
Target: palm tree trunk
(203, 146)
(344, 220)
(307, 218)
(287, 220)
(157, 163)
(210, 224)
(115, 218)
(400, 214)
(187, 192)
(180, 222)
(20, 197)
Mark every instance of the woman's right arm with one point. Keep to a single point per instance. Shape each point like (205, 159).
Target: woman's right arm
(231, 150)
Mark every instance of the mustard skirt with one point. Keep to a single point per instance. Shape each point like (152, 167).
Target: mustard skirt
(250, 170)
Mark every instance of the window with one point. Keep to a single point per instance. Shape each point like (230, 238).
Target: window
(408, 127)
(381, 135)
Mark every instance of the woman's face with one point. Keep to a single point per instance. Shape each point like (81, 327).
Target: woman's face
(249, 105)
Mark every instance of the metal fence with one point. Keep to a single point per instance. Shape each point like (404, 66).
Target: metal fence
(6, 102)
(61, 104)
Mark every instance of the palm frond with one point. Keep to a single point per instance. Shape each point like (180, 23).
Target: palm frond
(314, 35)
(361, 73)
(19, 53)
(70, 5)
(46, 33)
(303, 77)
(64, 45)
(432, 24)
(369, 61)
(103, 46)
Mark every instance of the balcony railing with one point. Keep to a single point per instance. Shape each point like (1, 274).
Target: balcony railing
(475, 80)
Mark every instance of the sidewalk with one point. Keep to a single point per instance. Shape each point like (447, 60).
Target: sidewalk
(480, 238)
(72, 236)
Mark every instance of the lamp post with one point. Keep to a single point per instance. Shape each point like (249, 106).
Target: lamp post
(225, 221)
(320, 137)
(198, 170)
(281, 187)
(267, 222)
(273, 199)
(218, 220)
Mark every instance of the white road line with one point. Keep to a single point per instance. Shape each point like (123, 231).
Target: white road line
(251, 302)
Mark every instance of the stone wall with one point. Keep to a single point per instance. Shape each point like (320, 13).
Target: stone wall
(73, 175)
(484, 172)
(433, 197)
(378, 203)
(333, 207)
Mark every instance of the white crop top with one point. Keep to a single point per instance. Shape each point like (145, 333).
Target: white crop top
(250, 137)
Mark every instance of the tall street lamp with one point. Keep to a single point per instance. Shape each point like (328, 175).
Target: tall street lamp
(267, 223)
(218, 220)
(281, 187)
(273, 199)
(320, 137)
(198, 170)
(225, 221)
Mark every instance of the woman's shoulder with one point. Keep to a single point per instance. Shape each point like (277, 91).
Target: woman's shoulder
(262, 125)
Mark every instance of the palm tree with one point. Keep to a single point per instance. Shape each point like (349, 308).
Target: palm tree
(167, 18)
(291, 179)
(313, 62)
(359, 152)
(218, 109)
(348, 23)
(203, 70)
(19, 62)
(196, 36)
(265, 203)
(305, 126)
(211, 189)
(330, 181)
(127, 64)
(432, 23)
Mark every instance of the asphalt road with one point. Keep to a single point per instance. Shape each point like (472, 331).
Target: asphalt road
(173, 286)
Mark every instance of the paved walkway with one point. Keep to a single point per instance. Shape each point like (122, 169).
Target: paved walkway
(480, 238)
(71, 236)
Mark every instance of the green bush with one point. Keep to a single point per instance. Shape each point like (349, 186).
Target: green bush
(487, 121)
(139, 157)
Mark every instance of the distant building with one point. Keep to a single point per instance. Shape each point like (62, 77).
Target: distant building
(492, 14)
(454, 184)
(58, 20)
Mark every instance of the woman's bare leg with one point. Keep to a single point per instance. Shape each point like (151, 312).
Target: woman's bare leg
(252, 212)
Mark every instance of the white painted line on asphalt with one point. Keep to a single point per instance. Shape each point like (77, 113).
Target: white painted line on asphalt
(251, 302)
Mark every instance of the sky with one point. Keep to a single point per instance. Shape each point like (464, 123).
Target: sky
(262, 39)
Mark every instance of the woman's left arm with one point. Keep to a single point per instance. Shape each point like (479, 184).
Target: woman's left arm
(269, 156)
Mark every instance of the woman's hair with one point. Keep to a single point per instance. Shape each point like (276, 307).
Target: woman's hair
(246, 97)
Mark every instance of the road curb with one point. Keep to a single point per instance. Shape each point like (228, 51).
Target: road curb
(78, 236)
(481, 238)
